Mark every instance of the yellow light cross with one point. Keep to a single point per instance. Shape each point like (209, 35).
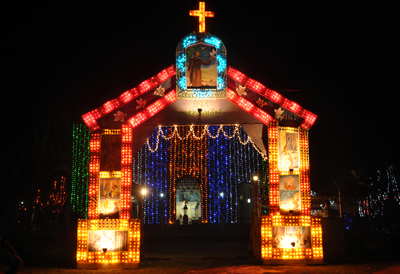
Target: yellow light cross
(202, 14)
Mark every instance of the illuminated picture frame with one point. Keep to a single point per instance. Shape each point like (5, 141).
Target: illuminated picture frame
(289, 194)
(216, 50)
(109, 198)
(312, 252)
(108, 256)
(110, 153)
(288, 148)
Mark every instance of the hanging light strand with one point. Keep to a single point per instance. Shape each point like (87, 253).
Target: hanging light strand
(205, 132)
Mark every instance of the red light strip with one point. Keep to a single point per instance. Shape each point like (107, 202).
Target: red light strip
(249, 107)
(91, 117)
(153, 109)
(94, 168)
(309, 117)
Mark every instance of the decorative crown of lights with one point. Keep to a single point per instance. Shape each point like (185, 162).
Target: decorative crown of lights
(204, 133)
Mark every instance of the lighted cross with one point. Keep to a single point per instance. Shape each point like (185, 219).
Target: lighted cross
(202, 14)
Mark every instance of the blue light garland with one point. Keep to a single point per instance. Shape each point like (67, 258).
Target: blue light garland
(229, 164)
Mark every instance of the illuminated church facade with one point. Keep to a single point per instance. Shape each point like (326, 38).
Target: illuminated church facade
(193, 136)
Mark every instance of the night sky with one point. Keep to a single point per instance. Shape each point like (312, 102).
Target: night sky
(342, 56)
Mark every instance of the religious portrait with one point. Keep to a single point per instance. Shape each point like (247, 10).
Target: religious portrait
(192, 199)
(289, 195)
(112, 240)
(110, 197)
(291, 237)
(110, 155)
(201, 67)
(289, 153)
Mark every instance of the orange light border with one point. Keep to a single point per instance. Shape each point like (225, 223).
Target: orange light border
(268, 252)
(304, 173)
(94, 169)
(126, 170)
(273, 167)
(130, 258)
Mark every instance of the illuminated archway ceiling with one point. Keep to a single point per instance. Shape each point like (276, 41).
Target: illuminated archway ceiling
(249, 103)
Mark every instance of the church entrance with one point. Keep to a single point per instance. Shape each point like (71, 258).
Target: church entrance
(245, 205)
(196, 171)
(188, 201)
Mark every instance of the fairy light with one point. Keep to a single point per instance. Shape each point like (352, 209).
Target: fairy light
(304, 173)
(91, 259)
(94, 168)
(80, 169)
(181, 58)
(205, 132)
(202, 14)
(126, 161)
(218, 145)
(310, 222)
(151, 171)
(373, 204)
(55, 201)
(239, 77)
(273, 168)
(91, 117)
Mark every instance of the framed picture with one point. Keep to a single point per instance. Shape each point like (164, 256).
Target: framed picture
(291, 237)
(112, 240)
(110, 197)
(289, 195)
(201, 66)
(288, 148)
(110, 155)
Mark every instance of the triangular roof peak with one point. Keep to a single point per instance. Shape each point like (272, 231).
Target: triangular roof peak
(166, 94)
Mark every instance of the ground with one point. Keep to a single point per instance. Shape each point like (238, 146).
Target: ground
(195, 249)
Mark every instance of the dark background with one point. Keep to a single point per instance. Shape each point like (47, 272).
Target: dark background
(342, 56)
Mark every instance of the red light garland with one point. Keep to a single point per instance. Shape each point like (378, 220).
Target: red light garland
(91, 117)
(309, 117)
(153, 109)
(249, 107)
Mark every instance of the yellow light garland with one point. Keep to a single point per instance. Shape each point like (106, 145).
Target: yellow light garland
(205, 131)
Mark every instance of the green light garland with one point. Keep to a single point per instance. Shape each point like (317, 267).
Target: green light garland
(80, 169)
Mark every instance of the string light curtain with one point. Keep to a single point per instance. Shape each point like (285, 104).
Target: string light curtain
(230, 163)
(220, 157)
(187, 158)
(151, 171)
(80, 169)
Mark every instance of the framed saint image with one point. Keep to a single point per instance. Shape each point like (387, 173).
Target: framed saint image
(110, 155)
(110, 197)
(291, 237)
(201, 67)
(192, 199)
(113, 240)
(289, 195)
(288, 148)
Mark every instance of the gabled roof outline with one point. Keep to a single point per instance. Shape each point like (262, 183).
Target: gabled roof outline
(90, 118)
